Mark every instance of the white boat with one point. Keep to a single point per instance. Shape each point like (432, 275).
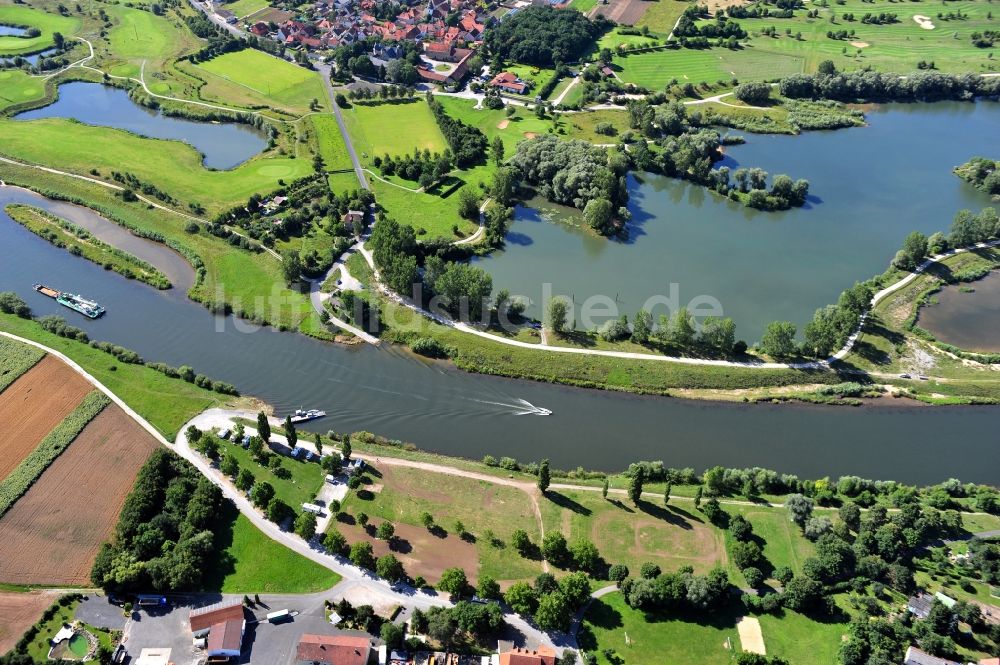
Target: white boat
(301, 416)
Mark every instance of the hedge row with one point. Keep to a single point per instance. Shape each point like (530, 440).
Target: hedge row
(24, 476)
(15, 360)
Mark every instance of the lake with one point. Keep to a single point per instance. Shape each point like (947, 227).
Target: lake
(969, 321)
(223, 145)
(870, 186)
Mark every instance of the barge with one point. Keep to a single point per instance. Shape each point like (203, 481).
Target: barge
(75, 302)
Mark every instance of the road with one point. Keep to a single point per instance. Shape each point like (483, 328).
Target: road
(359, 171)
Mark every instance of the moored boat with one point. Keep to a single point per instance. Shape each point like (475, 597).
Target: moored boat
(75, 302)
(301, 416)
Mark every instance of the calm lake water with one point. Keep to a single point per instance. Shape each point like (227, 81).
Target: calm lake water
(967, 320)
(12, 31)
(224, 145)
(870, 187)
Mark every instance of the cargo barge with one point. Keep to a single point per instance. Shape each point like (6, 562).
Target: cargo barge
(88, 308)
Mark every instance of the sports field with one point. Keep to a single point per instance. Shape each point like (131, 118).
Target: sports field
(172, 166)
(24, 16)
(655, 69)
(251, 77)
(394, 129)
(17, 87)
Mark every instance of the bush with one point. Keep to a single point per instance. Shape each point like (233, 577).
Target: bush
(429, 347)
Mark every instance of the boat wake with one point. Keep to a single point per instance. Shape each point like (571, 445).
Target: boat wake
(520, 407)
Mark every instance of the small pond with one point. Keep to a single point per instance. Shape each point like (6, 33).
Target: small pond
(223, 145)
(12, 31)
(30, 59)
(967, 315)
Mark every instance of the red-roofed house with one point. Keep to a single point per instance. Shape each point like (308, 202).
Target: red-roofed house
(225, 626)
(333, 650)
(508, 82)
(226, 639)
(518, 656)
(204, 618)
(259, 28)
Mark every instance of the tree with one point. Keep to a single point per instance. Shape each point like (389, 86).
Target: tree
(605, 487)
(290, 434)
(522, 598)
(468, 204)
(464, 290)
(618, 572)
(318, 440)
(263, 426)
(666, 493)
(913, 253)
(389, 568)
(497, 150)
(305, 525)
(554, 548)
(229, 466)
(453, 581)
(681, 329)
(575, 588)
(427, 520)
(362, 519)
(718, 333)
(391, 634)
(345, 449)
(361, 555)
(261, 494)
(553, 612)
(543, 476)
(635, 483)
(585, 555)
(779, 339)
(599, 214)
(291, 267)
(558, 312)
(799, 508)
(278, 511)
(488, 588)
(385, 531)
(244, 480)
(642, 326)
(335, 543)
(519, 541)
(753, 576)
(745, 554)
(755, 93)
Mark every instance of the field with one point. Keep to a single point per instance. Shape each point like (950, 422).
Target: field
(801, 639)
(56, 528)
(250, 77)
(250, 562)
(784, 544)
(406, 493)
(15, 360)
(329, 143)
(304, 478)
(654, 69)
(139, 36)
(671, 537)
(17, 87)
(394, 129)
(431, 215)
(494, 122)
(18, 611)
(23, 16)
(33, 405)
(246, 7)
(647, 639)
(173, 166)
(661, 15)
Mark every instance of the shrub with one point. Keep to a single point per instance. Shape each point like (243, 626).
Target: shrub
(430, 347)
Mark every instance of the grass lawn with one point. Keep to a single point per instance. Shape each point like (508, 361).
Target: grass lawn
(250, 562)
(23, 16)
(661, 15)
(251, 77)
(303, 482)
(329, 142)
(165, 402)
(407, 493)
(246, 7)
(612, 39)
(784, 544)
(17, 87)
(393, 128)
(653, 639)
(173, 166)
(15, 360)
(494, 122)
(140, 36)
(801, 639)
(671, 537)
(583, 125)
(430, 214)
(654, 69)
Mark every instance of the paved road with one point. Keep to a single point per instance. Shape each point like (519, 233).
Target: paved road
(359, 171)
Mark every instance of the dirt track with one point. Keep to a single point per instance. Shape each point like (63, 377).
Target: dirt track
(34, 404)
(53, 532)
(18, 611)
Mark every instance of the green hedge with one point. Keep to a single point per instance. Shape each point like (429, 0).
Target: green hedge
(24, 476)
(15, 360)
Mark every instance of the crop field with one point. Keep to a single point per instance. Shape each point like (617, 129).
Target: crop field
(254, 77)
(329, 143)
(17, 87)
(15, 360)
(23, 16)
(54, 531)
(654, 69)
(18, 612)
(33, 405)
(173, 166)
(394, 129)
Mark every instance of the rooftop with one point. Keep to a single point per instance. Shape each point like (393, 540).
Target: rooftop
(333, 649)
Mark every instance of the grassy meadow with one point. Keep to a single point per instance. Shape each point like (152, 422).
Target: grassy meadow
(26, 17)
(393, 128)
(328, 142)
(254, 78)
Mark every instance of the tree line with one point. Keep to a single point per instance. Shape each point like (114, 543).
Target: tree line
(870, 86)
(468, 144)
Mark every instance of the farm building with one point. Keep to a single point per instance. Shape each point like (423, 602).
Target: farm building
(333, 650)
(508, 654)
(224, 624)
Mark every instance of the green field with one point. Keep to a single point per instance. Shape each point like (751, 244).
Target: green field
(173, 166)
(430, 215)
(246, 7)
(329, 142)
(654, 69)
(661, 15)
(15, 360)
(801, 639)
(652, 638)
(784, 544)
(253, 77)
(17, 87)
(393, 128)
(250, 562)
(24, 16)
(304, 479)
(494, 122)
(140, 36)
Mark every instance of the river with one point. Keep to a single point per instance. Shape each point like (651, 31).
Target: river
(870, 186)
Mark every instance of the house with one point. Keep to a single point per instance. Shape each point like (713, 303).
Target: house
(509, 82)
(607, 72)
(226, 15)
(225, 625)
(511, 655)
(260, 29)
(204, 618)
(332, 650)
(920, 605)
(947, 601)
(915, 656)
(440, 51)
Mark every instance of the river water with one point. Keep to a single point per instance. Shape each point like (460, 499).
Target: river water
(223, 145)
(391, 392)
(870, 187)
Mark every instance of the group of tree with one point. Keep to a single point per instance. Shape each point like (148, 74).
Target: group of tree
(870, 86)
(543, 36)
(462, 623)
(463, 290)
(693, 30)
(468, 144)
(165, 536)
(982, 173)
(382, 92)
(421, 167)
(551, 603)
(682, 591)
(579, 174)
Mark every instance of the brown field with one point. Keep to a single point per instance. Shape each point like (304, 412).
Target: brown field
(53, 532)
(33, 405)
(421, 552)
(623, 12)
(18, 611)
